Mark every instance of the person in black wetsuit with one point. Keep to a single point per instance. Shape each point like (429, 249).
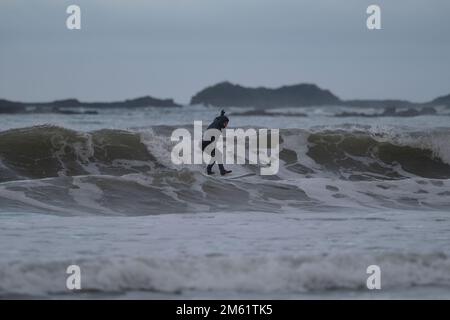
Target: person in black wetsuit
(219, 123)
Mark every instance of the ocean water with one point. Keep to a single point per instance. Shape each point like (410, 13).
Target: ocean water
(100, 192)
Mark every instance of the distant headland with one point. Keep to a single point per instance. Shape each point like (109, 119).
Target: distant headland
(224, 94)
(70, 106)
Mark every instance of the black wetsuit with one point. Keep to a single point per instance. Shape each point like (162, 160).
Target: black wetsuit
(219, 124)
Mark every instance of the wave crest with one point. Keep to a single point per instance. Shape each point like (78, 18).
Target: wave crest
(50, 151)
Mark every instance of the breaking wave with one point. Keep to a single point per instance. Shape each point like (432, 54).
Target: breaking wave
(56, 170)
(288, 275)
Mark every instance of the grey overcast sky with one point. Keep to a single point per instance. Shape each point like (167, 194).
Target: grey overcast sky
(174, 48)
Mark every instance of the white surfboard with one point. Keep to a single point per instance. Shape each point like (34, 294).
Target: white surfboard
(229, 176)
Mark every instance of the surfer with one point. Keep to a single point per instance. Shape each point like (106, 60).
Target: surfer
(219, 123)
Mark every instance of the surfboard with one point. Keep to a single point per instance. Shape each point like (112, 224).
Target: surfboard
(229, 176)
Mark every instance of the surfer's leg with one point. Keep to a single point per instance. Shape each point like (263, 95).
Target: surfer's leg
(222, 169)
(211, 164)
(209, 167)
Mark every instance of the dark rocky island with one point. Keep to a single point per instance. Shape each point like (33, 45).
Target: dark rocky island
(392, 112)
(226, 94)
(444, 101)
(380, 103)
(75, 106)
(7, 106)
(263, 112)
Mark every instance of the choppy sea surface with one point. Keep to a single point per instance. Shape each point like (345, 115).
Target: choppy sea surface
(101, 192)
